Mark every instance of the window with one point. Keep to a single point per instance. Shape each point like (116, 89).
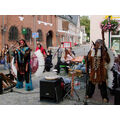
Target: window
(62, 38)
(40, 35)
(38, 17)
(13, 33)
(28, 34)
(116, 33)
(65, 25)
(115, 43)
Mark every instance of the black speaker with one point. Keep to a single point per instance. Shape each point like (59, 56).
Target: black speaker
(117, 96)
(1, 89)
(50, 90)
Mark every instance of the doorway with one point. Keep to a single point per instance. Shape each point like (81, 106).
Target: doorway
(49, 39)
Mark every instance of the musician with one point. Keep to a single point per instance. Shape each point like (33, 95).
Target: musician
(98, 59)
(23, 65)
(6, 54)
(40, 47)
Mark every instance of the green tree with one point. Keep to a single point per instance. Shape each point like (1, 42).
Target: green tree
(85, 21)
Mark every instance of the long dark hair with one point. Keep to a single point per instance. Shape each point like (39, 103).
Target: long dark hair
(24, 42)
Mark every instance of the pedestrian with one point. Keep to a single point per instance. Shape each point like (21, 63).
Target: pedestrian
(40, 47)
(48, 61)
(23, 65)
(71, 51)
(59, 53)
(98, 59)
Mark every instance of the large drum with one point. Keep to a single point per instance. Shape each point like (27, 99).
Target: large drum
(37, 64)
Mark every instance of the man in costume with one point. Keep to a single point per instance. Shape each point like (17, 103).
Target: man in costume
(98, 59)
(23, 66)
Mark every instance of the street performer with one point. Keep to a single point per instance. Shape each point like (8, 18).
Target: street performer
(22, 55)
(98, 59)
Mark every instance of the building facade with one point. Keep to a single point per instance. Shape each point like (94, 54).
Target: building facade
(83, 35)
(68, 29)
(95, 31)
(13, 26)
(51, 29)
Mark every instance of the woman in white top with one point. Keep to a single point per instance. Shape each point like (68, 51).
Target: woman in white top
(68, 56)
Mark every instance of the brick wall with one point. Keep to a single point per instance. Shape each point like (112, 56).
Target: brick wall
(28, 22)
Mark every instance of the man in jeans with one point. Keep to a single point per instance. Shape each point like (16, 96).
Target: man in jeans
(59, 54)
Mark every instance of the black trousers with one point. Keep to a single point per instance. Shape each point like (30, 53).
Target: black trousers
(58, 66)
(91, 88)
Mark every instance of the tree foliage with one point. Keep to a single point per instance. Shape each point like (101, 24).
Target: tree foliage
(85, 21)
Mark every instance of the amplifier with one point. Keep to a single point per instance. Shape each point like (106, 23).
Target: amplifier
(51, 90)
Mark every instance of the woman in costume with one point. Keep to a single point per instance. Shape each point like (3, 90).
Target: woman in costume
(98, 59)
(40, 47)
(23, 66)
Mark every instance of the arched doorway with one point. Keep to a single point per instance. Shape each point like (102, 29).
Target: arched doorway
(49, 39)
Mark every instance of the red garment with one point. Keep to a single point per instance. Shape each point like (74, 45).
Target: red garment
(41, 49)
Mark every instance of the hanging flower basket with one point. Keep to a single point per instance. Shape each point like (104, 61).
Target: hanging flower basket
(109, 25)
